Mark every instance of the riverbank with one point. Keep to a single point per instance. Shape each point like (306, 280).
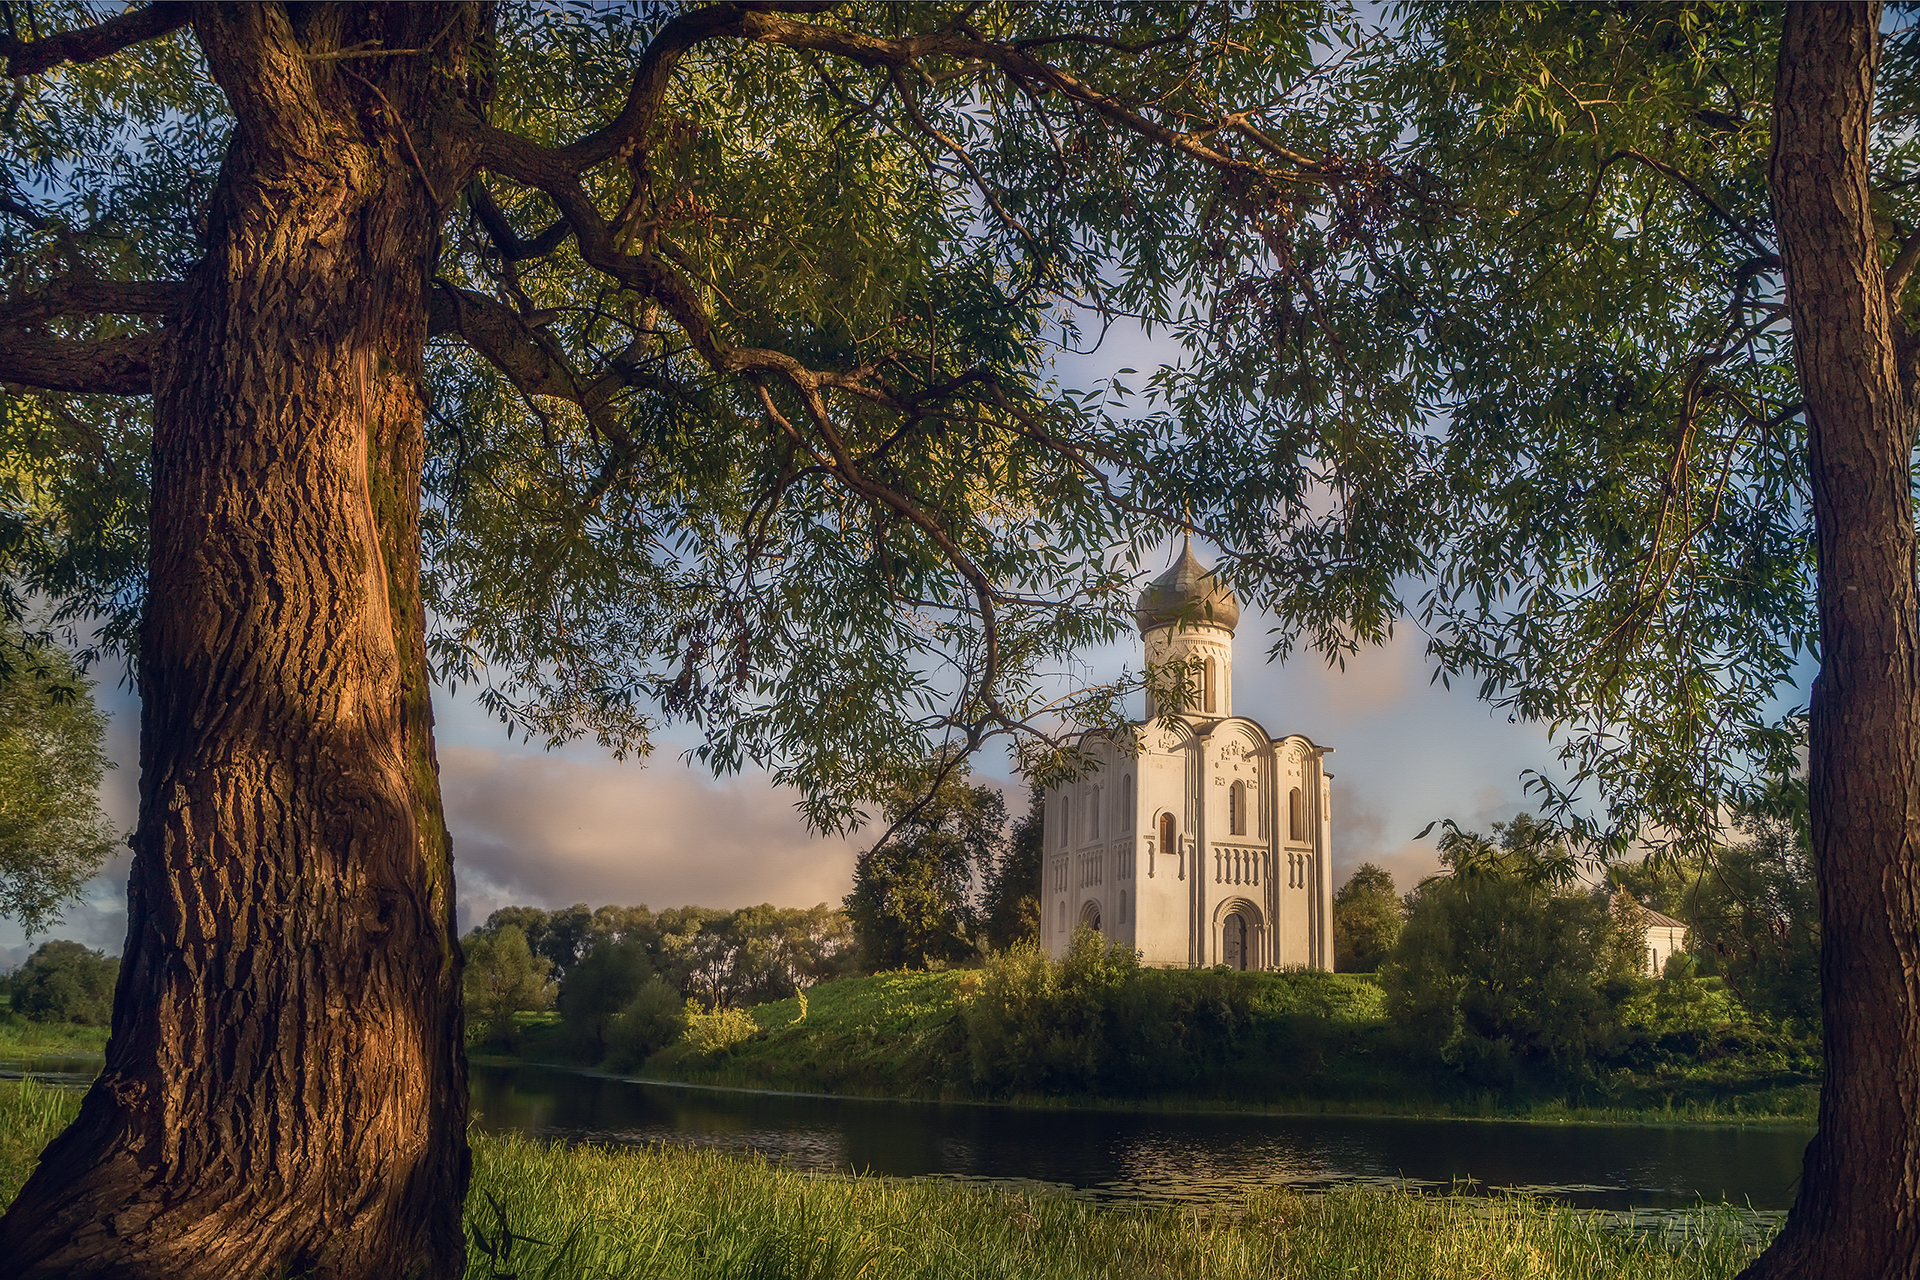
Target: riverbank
(22, 1040)
(1307, 1044)
(671, 1212)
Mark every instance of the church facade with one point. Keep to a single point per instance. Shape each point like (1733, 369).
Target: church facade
(1210, 842)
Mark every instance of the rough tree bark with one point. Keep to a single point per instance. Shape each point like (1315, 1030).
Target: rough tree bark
(285, 1087)
(1857, 1215)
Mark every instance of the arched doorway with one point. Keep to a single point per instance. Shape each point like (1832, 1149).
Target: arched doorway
(1233, 941)
(1090, 916)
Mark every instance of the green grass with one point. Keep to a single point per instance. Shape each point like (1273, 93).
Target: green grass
(30, 1114)
(594, 1213)
(21, 1039)
(671, 1212)
(897, 1035)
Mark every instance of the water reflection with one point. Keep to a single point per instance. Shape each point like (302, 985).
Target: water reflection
(1157, 1157)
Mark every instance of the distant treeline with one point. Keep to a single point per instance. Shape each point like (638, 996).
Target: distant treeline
(621, 976)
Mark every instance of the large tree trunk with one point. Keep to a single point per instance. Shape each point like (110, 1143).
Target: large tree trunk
(1857, 1215)
(285, 1088)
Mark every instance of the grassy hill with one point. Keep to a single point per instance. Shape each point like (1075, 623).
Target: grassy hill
(1304, 1041)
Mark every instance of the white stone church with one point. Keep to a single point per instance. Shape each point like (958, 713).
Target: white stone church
(1211, 844)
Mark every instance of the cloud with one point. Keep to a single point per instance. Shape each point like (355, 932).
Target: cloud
(552, 830)
(1373, 680)
(1360, 834)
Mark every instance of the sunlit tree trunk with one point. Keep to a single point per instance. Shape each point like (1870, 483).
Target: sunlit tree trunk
(285, 1087)
(1857, 1215)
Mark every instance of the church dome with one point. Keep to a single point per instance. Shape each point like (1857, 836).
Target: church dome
(1189, 593)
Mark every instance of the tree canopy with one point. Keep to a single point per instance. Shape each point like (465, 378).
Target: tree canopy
(53, 835)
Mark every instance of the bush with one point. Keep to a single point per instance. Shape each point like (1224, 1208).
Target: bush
(595, 992)
(66, 982)
(721, 1029)
(650, 1022)
(1097, 1022)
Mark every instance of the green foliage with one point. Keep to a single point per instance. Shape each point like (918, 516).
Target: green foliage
(1751, 907)
(31, 1115)
(1755, 919)
(1367, 918)
(648, 1023)
(597, 989)
(712, 1031)
(1010, 894)
(53, 836)
(912, 900)
(730, 957)
(66, 982)
(1498, 971)
(503, 977)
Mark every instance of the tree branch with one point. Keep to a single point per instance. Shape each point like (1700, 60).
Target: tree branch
(91, 298)
(1903, 264)
(90, 44)
(111, 366)
(501, 232)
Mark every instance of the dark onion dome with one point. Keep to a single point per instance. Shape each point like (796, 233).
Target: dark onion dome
(1189, 594)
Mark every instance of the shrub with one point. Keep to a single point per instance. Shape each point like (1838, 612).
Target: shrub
(650, 1022)
(66, 982)
(1097, 1021)
(721, 1029)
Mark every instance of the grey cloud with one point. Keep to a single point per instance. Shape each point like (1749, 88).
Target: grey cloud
(550, 831)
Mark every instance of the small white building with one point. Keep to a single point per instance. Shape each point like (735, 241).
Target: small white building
(1665, 935)
(1211, 844)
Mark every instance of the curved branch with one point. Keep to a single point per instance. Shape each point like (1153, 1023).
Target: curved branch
(90, 44)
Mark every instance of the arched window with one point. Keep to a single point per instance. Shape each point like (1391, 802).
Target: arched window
(1093, 813)
(1066, 814)
(1126, 802)
(1166, 834)
(1063, 917)
(1237, 809)
(1209, 686)
(1296, 815)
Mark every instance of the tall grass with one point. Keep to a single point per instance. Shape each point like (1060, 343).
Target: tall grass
(541, 1211)
(671, 1212)
(31, 1113)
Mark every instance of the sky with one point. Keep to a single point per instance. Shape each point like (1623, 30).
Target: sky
(551, 828)
(573, 825)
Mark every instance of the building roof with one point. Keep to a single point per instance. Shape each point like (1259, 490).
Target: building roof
(1187, 594)
(1657, 921)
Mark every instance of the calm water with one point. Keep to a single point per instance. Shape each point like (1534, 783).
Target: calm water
(1157, 1157)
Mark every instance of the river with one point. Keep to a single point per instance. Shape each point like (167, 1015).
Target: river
(1126, 1155)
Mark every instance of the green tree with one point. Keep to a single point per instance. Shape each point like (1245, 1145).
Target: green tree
(1499, 970)
(1010, 893)
(53, 836)
(602, 984)
(1367, 918)
(504, 977)
(913, 892)
(65, 982)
